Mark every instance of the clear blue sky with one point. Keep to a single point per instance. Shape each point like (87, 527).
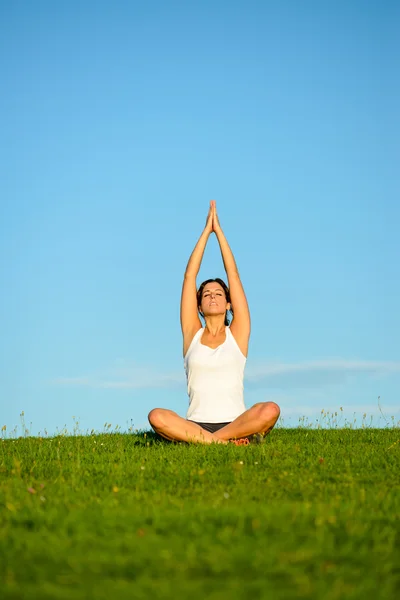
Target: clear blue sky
(119, 122)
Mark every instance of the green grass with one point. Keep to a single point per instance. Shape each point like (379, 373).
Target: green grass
(307, 514)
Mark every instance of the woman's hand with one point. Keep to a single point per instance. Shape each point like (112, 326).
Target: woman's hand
(210, 218)
(215, 222)
(212, 223)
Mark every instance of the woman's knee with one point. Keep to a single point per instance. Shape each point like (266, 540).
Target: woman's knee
(273, 411)
(268, 410)
(156, 418)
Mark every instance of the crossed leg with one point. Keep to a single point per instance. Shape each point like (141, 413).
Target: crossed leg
(173, 427)
(260, 418)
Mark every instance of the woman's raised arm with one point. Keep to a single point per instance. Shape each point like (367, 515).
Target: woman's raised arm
(240, 326)
(190, 321)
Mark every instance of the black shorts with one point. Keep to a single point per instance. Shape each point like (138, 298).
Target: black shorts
(211, 427)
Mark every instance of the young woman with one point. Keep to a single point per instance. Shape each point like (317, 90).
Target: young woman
(214, 357)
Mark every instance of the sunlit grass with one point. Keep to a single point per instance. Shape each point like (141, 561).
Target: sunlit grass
(310, 513)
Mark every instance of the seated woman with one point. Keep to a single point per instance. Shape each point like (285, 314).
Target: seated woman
(214, 357)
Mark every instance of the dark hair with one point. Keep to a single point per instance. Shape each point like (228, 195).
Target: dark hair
(227, 295)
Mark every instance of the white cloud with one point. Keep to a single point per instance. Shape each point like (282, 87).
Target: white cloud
(315, 374)
(270, 369)
(267, 374)
(125, 378)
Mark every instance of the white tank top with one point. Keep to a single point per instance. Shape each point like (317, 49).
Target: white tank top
(214, 380)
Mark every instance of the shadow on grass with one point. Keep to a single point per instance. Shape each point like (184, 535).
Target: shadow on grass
(150, 438)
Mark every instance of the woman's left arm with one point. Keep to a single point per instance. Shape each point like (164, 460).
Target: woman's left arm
(240, 326)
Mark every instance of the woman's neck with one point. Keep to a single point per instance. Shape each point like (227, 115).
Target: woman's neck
(214, 326)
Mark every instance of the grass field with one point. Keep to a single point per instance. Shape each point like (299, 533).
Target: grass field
(307, 514)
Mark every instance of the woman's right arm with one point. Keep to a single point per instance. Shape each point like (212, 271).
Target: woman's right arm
(190, 321)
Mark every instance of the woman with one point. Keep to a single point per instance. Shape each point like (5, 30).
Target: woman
(214, 357)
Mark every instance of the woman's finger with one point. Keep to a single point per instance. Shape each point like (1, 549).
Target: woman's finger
(209, 221)
(215, 217)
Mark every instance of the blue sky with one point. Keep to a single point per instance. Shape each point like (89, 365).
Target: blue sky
(120, 121)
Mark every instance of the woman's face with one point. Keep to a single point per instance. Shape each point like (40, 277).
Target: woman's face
(213, 300)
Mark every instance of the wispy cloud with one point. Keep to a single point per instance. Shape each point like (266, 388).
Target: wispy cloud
(335, 364)
(315, 373)
(269, 374)
(138, 383)
(136, 377)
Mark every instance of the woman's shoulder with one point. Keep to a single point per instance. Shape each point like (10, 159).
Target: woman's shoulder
(240, 341)
(189, 339)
